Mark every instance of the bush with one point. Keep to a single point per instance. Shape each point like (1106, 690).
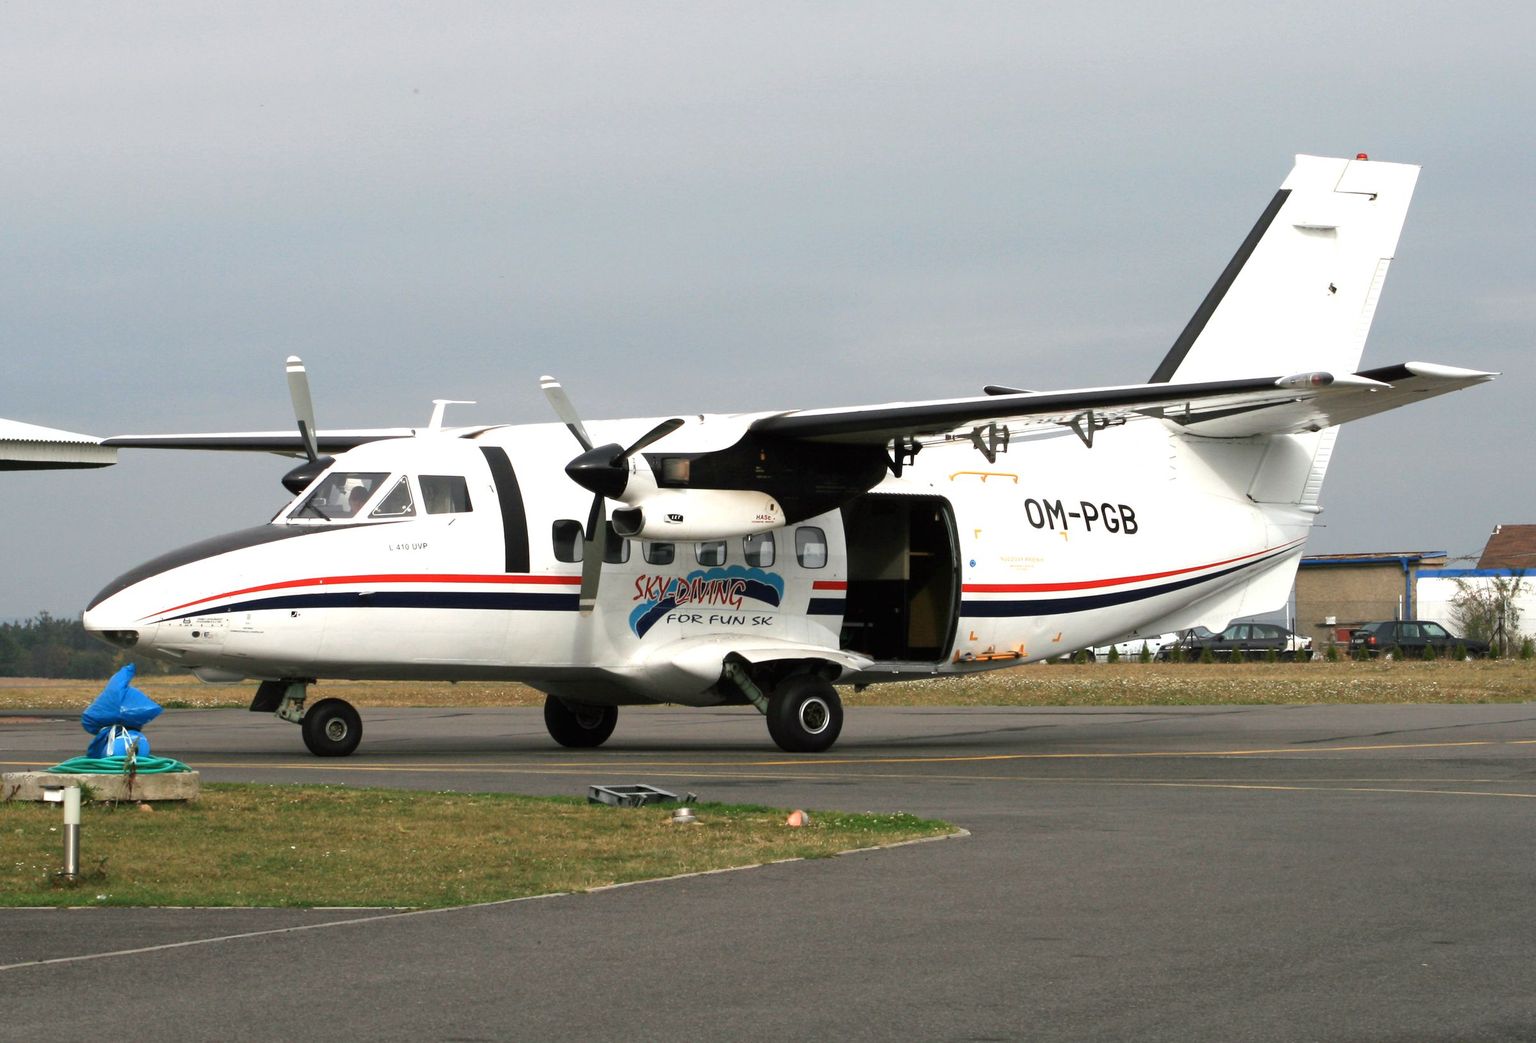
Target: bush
(1206, 655)
(1332, 655)
(1429, 653)
(1114, 655)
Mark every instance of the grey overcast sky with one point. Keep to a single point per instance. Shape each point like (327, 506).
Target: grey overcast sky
(714, 207)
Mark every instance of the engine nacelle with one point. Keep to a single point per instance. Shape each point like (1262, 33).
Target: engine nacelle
(698, 514)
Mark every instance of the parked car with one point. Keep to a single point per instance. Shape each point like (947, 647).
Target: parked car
(1131, 647)
(1409, 638)
(1247, 638)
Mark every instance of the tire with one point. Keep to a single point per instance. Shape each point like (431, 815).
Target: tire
(579, 726)
(805, 714)
(332, 728)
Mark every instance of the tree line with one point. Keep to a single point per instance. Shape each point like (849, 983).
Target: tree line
(47, 646)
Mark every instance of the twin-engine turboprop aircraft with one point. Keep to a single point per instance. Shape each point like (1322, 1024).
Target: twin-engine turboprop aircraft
(763, 558)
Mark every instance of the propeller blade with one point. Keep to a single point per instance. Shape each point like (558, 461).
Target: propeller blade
(558, 399)
(592, 552)
(655, 434)
(604, 470)
(303, 407)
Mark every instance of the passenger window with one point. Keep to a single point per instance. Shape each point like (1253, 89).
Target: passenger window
(758, 549)
(445, 494)
(711, 553)
(660, 553)
(398, 504)
(568, 541)
(810, 547)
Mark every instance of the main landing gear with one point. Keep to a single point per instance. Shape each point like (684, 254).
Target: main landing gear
(803, 710)
(804, 714)
(577, 725)
(331, 727)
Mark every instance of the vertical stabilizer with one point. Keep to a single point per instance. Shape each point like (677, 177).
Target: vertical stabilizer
(1300, 293)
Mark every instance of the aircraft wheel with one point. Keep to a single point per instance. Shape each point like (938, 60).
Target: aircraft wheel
(579, 726)
(332, 728)
(805, 715)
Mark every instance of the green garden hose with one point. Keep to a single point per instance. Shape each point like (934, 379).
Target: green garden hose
(118, 766)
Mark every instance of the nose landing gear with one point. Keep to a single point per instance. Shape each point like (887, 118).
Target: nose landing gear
(331, 727)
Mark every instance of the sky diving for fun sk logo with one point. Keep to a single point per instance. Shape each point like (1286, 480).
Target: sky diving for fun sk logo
(683, 599)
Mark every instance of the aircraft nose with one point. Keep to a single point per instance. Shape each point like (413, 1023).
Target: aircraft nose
(113, 628)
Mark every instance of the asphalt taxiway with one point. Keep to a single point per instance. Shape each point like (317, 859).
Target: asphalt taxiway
(1349, 873)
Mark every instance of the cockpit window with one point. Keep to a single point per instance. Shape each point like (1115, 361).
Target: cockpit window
(397, 503)
(340, 495)
(445, 494)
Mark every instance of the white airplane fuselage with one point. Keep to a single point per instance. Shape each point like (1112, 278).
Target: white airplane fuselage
(956, 566)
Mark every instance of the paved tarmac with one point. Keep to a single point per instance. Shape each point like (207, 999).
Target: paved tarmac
(1233, 873)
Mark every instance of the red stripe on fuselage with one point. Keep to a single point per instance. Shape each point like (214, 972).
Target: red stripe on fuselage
(1091, 584)
(426, 577)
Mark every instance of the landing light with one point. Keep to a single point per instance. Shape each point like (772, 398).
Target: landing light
(121, 638)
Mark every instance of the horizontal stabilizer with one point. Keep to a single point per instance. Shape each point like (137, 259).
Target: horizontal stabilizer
(1381, 389)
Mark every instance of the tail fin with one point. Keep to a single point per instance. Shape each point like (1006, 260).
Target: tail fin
(1300, 292)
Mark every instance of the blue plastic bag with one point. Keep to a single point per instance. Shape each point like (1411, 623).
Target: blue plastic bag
(120, 703)
(114, 740)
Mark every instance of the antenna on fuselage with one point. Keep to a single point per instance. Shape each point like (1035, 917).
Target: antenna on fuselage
(439, 407)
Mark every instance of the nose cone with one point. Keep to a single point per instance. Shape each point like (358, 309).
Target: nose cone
(112, 621)
(603, 470)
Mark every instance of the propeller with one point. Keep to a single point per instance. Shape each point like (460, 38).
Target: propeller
(603, 471)
(297, 479)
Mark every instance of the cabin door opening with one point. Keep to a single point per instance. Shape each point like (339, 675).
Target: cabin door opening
(903, 577)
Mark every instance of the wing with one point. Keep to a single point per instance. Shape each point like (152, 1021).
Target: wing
(27, 447)
(288, 442)
(1223, 408)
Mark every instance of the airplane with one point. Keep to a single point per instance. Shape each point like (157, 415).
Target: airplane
(764, 559)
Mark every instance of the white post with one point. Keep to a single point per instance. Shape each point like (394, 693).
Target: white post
(72, 833)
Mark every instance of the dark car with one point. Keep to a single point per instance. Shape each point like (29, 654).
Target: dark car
(1410, 637)
(1246, 638)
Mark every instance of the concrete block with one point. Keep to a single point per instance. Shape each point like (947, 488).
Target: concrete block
(175, 785)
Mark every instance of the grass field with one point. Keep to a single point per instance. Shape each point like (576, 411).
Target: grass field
(245, 845)
(1056, 684)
